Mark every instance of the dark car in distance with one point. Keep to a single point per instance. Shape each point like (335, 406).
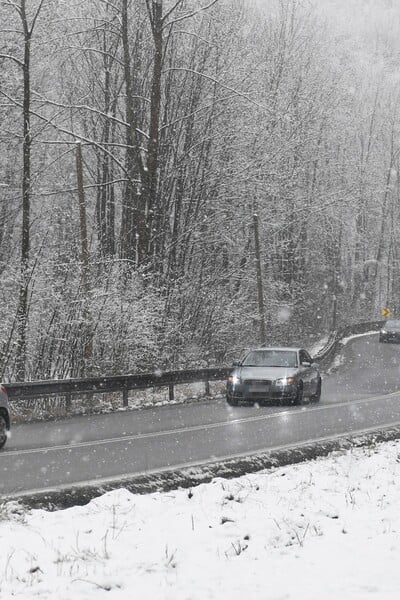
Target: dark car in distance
(390, 331)
(4, 416)
(274, 374)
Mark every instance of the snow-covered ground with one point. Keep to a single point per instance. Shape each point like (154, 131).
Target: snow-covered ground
(321, 530)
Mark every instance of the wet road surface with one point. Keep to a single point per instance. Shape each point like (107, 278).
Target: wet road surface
(360, 392)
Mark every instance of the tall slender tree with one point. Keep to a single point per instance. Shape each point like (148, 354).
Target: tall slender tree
(28, 26)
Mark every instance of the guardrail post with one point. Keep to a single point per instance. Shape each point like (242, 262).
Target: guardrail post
(207, 386)
(125, 397)
(171, 395)
(68, 403)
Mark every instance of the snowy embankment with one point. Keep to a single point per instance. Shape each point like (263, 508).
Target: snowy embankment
(320, 530)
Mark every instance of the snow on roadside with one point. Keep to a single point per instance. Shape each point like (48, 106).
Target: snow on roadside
(323, 530)
(318, 346)
(346, 340)
(338, 359)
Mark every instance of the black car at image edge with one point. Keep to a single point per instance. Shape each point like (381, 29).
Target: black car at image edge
(4, 416)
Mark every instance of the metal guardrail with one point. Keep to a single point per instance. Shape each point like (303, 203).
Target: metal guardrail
(125, 383)
(118, 383)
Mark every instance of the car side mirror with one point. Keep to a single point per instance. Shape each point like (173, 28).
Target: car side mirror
(236, 363)
(306, 363)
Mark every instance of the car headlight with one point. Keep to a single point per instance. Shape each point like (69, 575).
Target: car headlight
(284, 381)
(234, 379)
(383, 331)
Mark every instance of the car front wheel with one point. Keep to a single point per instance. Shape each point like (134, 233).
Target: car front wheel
(299, 395)
(231, 401)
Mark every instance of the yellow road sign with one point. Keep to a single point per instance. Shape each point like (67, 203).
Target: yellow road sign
(385, 312)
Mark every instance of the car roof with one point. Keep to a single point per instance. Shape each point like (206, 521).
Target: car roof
(285, 348)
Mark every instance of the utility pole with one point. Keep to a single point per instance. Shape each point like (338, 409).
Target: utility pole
(88, 349)
(260, 290)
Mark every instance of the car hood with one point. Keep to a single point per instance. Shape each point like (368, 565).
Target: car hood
(265, 372)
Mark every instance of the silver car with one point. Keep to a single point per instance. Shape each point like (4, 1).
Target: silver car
(390, 331)
(274, 374)
(4, 416)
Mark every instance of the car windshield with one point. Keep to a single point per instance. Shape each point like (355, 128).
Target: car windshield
(392, 324)
(271, 358)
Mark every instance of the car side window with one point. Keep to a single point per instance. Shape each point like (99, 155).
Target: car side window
(304, 357)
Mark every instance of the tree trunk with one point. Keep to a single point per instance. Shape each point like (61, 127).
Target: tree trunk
(87, 326)
(132, 217)
(22, 311)
(151, 183)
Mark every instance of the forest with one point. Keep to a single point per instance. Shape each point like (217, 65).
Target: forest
(182, 179)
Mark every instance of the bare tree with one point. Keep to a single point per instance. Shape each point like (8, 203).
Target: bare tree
(28, 26)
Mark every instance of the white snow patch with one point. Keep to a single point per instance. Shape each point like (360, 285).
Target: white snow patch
(325, 529)
(345, 340)
(318, 346)
(337, 362)
(284, 314)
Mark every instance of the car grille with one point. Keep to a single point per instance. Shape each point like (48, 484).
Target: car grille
(258, 382)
